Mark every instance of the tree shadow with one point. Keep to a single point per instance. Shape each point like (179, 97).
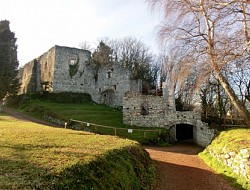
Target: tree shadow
(183, 147)
(20, 174)
(171, 176)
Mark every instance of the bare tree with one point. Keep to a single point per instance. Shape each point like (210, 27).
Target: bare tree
(134, 55)
(85, 46)
(214, 33)
(238, 73)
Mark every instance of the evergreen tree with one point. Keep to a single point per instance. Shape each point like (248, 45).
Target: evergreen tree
(102, 57)
(9, 83)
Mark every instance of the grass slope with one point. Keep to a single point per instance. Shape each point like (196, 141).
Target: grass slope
(92, 113)
(34, 156)
(232, 140)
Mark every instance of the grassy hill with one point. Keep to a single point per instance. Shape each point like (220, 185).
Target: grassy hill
(59, 111)
(34, 156)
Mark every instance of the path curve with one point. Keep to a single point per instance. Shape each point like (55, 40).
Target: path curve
(179, 168)
(21, 116)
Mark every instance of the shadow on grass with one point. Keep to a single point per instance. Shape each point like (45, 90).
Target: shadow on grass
(233, 181)
(20, 174)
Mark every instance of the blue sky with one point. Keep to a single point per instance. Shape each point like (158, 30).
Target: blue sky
(39, 25)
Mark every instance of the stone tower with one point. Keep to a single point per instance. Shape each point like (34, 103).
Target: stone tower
(168, 94)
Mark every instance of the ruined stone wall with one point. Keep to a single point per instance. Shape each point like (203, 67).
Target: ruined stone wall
(26, 75)
(153, 111)
(70, 70)
(111, 85)
(159, 114)
(45, 70)
(203, 135)
(37, 71)
(134, 106)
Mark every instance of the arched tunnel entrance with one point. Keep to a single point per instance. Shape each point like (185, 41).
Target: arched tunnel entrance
(184, 132)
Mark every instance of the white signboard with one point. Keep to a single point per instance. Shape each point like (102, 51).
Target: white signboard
(130, 130)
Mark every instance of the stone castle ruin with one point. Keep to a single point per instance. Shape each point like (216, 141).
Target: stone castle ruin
(159, 111)
(65, 69)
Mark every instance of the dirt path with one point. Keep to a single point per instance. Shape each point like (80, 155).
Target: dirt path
(23, 117)
(180, 168)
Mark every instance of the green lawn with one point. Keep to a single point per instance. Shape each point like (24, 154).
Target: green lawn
(93, 113)
(34, 156)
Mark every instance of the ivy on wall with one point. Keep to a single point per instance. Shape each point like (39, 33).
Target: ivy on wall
(73, 65)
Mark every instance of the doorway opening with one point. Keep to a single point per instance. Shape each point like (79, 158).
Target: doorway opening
(184, 132)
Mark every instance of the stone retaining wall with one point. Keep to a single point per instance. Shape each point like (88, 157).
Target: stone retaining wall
(238, 161)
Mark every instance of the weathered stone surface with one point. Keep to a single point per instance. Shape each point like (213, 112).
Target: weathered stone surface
(161, 114)
(235, 160)
(70, 70)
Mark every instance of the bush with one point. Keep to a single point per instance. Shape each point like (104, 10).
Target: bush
(67, 97)
(45, 114)
(17, 100)
(63, 97)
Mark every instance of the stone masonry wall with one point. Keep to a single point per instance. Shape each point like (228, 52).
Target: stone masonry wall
(71, 70)
(132, 107)
(238, 161)
(26, 76)
(64, 57)
(203, 135)
(153, 111)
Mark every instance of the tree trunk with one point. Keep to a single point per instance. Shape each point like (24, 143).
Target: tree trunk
(245, 114)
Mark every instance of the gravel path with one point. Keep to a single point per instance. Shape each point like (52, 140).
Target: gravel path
(180, 168)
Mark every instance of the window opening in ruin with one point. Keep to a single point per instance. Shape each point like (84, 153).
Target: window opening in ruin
(109, 75)
(99, 90)
(46, 65)
(72, 61)
(144, 108)
(114, 87)
(96, 77)
(73, 58)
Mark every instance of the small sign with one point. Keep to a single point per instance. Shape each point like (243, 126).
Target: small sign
(87, 124)
(130, 130)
